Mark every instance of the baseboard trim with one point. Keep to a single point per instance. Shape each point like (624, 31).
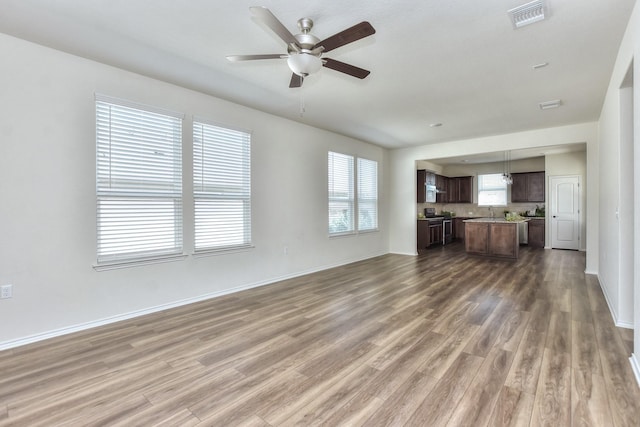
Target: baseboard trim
(614, 315)
(635, 365)
(405, 253)
(612, 310)
(626, 325)
(6, 345)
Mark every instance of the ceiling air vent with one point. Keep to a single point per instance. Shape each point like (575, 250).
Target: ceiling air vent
(527, 13)
(550, 104)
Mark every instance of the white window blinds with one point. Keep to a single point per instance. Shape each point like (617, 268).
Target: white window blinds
(138, 183)
(222, 187)
(492, 190)
(341, 194)
(367, 194)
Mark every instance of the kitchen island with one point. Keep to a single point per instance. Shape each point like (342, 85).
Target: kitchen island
(495, 237)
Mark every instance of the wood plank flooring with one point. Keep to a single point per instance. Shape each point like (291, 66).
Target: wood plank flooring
(435, 340)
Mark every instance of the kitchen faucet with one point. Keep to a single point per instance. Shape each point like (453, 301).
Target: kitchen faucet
(491, 212)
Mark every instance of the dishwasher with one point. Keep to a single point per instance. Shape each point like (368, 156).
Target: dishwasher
(447, 231)
(523, 233)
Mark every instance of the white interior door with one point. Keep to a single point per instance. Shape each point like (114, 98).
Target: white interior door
(565, 212)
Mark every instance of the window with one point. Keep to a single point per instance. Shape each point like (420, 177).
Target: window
(342, 187)
(367, 194)
(341, 200)
(138, 182)
(222, 187)
(492, 190)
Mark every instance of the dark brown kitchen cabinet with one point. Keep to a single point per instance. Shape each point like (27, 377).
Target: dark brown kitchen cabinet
(458, 228)
(527, 187)
(423, 234)
(460, 189)
(496, 239)
(442, 189)
(465, 189)
(536, 234)
(435, 233)
(430, 232)
(421, 190)
(453, 190)
(476, 239)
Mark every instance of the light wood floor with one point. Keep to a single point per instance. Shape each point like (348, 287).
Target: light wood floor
(438, 339)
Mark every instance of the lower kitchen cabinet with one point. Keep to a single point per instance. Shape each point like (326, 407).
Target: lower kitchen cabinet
(435, 233)
(496, 239)
(429, 233)
(477, 238)
(423, 234)
(536, 233)
(458, 228)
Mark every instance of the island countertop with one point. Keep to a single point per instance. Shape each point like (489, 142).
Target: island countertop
(498, 220)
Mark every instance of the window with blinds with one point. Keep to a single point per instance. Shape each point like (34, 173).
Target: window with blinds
(222, 187)
(492, 190)
(341, 193)
(138, 182)
(367, 171)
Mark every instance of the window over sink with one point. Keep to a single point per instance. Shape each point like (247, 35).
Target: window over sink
(492, 190)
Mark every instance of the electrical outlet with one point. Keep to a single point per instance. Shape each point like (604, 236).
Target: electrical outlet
(6, 291)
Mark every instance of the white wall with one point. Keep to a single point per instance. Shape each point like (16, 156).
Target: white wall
(47, 198)
(616, 177)
(574, 163)
(402, 224)
(622, 296)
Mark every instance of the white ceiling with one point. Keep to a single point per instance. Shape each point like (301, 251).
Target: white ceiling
(456, 62)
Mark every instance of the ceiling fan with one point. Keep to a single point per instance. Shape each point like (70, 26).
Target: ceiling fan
(304, 50)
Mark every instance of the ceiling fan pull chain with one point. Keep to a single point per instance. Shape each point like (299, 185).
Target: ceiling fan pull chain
(302, 106)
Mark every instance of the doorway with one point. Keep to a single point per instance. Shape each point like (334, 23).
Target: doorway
(565, 212)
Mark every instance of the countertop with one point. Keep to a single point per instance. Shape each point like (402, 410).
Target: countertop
(500, 220)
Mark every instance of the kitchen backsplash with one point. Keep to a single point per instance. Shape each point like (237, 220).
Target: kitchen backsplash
(469, 209)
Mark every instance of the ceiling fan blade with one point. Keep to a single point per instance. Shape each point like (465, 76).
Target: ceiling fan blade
(235, 58)
(346, 68)
(296, 80)
(272, 22)
(357, 32)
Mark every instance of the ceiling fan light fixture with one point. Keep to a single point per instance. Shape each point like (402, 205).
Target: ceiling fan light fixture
(304, 64)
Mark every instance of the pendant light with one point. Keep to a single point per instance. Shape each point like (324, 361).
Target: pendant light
(506, 175)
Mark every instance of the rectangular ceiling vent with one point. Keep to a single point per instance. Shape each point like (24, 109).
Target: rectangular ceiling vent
(550, 104)
(527, 13)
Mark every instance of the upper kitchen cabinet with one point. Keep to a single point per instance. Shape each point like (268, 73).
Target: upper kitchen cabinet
(527, 187)
(442, 189)
(421, 189)
(460, 189)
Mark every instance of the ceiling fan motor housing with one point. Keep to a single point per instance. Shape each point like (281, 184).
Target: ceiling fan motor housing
(303, 59)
